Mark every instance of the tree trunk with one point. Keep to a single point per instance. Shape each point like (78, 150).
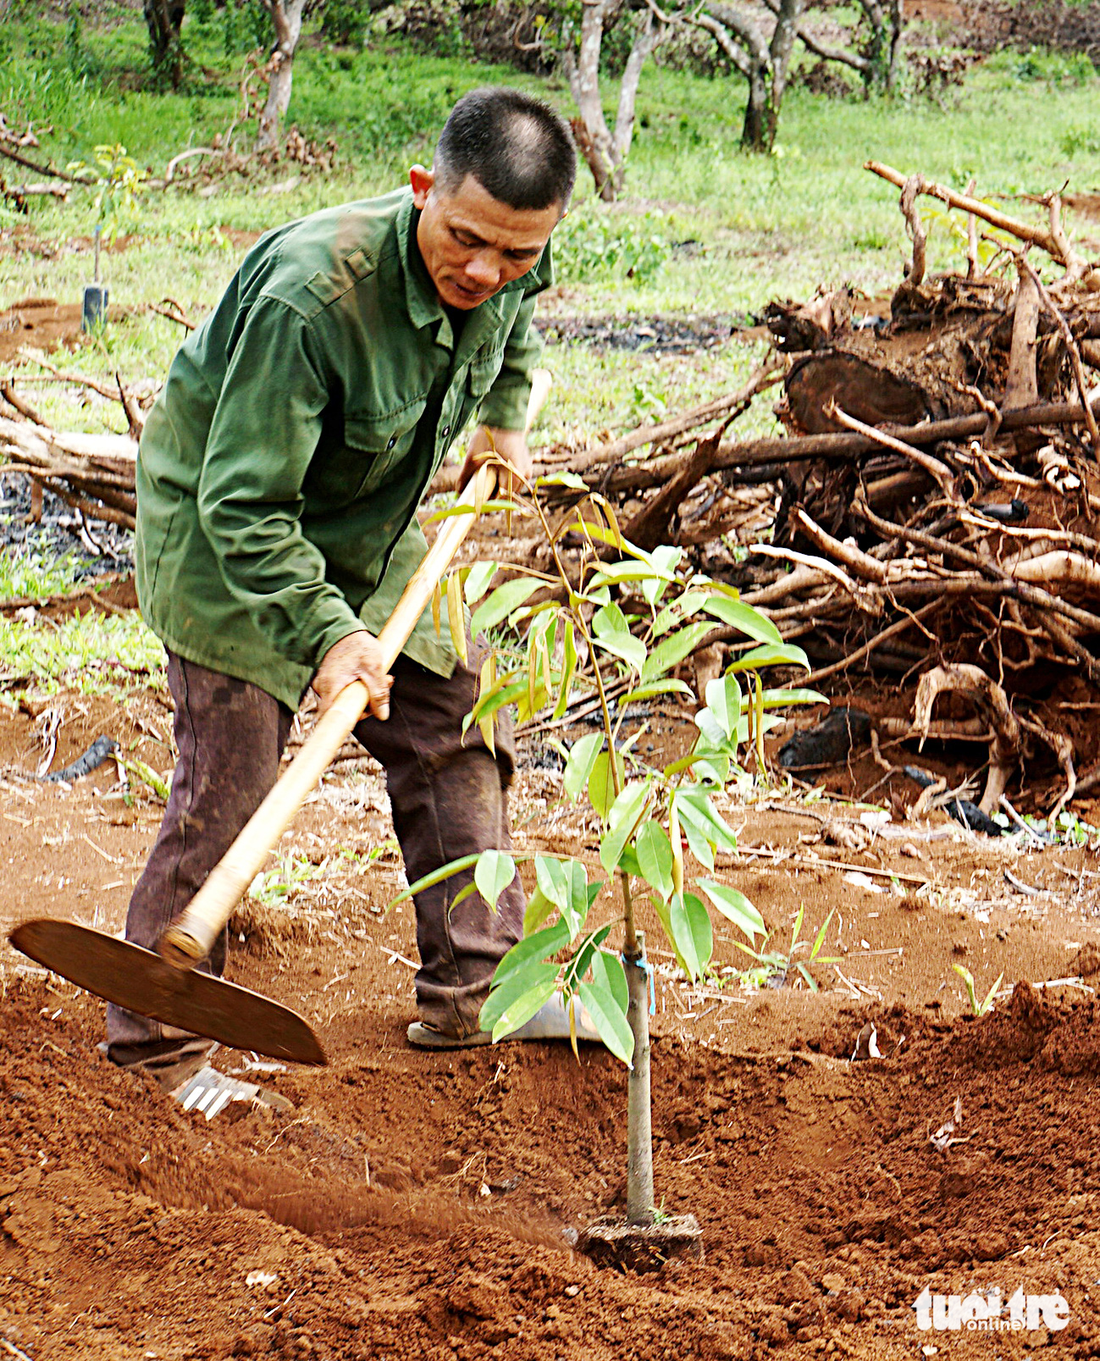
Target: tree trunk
(648, 37)
(605, 152)
(582, 68)
(758, 132)
(767, 73)
(164, 19)
(287, 18)
(886, 23)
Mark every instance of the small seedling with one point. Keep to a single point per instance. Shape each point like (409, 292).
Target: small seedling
(985, 1006)
(769, 964)
(274, 887)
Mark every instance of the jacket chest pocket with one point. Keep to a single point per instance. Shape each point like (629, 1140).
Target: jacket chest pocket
(482, 374)
(364, 453)
(480, 377)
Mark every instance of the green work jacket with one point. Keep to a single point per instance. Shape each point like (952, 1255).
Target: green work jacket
(282, 465)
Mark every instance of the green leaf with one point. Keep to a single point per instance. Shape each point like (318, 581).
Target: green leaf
(628, 862)
(599, 534)
(568, 667)
(437, 877)
(470, 508)
(712, 732)
(503, 601)
(582, 895)
(532, 950)
(660, 687)
(672, 650)
(578, 768)
(654, 852)
(562, 480)
(521, 1011)
(478, 580)
(615, 573)
(622, 819)
(702, 759)
(740, 616)
(538, 909)
(734, 906)
(599, 1000)
(779, 699)
(612, 633)
(520, 995)
(694, 807)
(687, 925)
(819, 939)
(785, 654)
(723, 697)
(456, 615)
(608, 971)
(494, 871)
(679, 610)
(578, 966)
(665, 559)
(467, 891)
(601, 785)
(504, 690)
(552, 878)
(565, 884)
(698, 928)
(699, 844)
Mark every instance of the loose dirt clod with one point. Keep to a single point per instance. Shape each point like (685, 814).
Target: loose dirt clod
(613, 1242)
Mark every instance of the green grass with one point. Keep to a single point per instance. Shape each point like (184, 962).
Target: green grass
(86, 653)
(757, 227)
(26, 573)
(705, 230)
(760, 227)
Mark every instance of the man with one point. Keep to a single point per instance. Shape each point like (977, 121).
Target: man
(278, 481)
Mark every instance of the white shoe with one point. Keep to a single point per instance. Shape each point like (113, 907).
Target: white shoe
(550, 1022)
(209, 1091)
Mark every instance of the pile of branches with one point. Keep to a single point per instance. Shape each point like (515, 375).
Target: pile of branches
(932, 516)
(92, 473)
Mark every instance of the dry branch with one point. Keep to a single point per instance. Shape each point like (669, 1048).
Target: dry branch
(1052, 239)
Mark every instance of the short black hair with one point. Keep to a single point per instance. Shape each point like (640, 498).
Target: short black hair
(515, 146)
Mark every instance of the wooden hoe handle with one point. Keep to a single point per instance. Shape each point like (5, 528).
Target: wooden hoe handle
(189, 939)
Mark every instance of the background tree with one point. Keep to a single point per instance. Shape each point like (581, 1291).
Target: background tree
(286, 15)
(876, 54)
(605, 150)
(764, 61)
(164, 19)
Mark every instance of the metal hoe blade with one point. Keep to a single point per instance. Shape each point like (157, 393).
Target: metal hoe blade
(141, 981)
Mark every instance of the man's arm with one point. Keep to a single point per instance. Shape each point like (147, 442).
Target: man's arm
(250, 497)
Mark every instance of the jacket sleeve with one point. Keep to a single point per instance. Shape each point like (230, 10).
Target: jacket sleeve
(250, 497)
(505, 405)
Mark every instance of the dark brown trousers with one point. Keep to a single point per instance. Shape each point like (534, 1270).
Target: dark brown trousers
(449, 799)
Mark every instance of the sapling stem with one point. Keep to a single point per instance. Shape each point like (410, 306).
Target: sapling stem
(639, 1131)
(639, 1124)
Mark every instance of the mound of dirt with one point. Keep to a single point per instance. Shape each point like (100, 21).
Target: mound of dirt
(417, 1205)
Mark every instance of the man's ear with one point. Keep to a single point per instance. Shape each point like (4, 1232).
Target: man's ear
(421, 181)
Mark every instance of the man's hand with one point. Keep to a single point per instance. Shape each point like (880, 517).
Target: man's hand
(510, 445)
(353, 658)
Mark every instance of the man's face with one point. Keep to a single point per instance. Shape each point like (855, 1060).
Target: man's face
(471, 243)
